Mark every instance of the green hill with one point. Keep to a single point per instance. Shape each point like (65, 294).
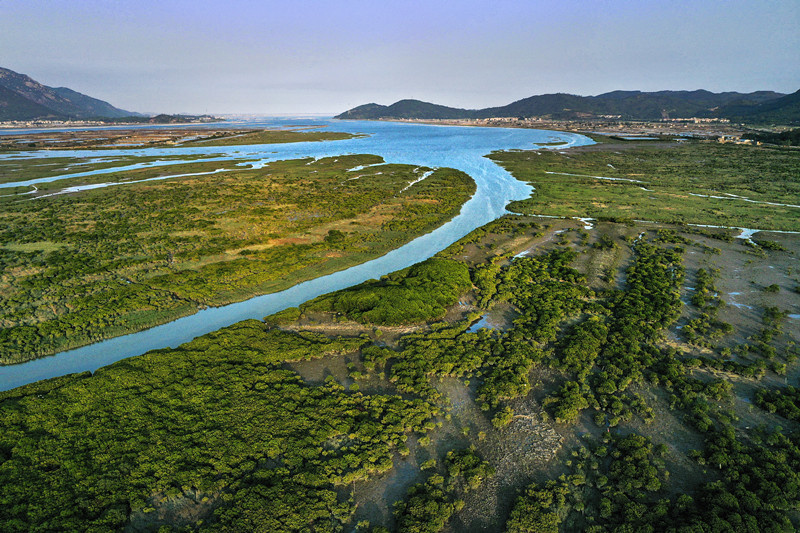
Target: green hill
(783, 110)
(406, 109)
(631, 105)
(23, 98)
(16, 107)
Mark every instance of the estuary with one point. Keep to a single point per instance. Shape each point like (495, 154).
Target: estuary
(462, 148)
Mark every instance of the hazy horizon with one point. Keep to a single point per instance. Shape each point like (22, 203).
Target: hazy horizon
(323, 58)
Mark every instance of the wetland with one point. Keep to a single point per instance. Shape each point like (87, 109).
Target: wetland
(631, 370)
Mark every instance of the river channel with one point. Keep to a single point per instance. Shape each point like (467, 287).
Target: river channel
(462, 148)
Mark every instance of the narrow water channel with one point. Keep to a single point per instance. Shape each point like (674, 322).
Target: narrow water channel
(462, 148)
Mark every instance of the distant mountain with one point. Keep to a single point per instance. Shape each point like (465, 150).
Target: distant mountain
(16, 107)
(91, 106)
(783, 110)
(169, 119)
(625, 104)
(405, 109)
(785, 138)
(23, 98)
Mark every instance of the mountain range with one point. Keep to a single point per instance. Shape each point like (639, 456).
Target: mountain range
(23, 98)
(759, 106)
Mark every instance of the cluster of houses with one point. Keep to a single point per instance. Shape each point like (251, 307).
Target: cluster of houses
(736, 139)
(49, 123)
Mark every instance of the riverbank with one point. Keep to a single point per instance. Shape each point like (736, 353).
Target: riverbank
(682, 128)
(94, 264)
(370, 410)
(424, 146)
(150, 137)
(691, 182)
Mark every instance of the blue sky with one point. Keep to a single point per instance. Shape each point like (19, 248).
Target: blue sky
(327, 56)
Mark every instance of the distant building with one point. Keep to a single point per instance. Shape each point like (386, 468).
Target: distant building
(735, 139)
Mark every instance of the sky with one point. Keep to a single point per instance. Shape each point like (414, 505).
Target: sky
(312, 56)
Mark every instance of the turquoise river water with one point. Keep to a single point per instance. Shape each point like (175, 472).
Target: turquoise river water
(462, 148)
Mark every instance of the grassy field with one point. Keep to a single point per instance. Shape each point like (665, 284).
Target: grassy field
(665, 181)
(604, 393)
(269, 137)
(628, 377)
(24, 169)
(80, 267)
(126, 139)
(179, 167)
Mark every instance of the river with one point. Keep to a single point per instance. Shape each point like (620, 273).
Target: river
(462, 148)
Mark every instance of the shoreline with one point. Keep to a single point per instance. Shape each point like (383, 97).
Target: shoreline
(321, 270)
(461, 184)
(585, 127)
(96, 125)
(495, 188)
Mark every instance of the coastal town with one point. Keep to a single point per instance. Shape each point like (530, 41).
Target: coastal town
(694, 127)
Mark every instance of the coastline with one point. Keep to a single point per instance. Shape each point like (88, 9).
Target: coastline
(304, 275)
(586, 127)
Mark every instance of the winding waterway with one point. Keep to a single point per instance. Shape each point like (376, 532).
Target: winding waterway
(462, 148)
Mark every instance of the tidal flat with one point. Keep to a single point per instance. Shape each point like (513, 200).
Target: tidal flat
(635, 373)
(618, 376)
(19, 173)
(674, 181)
(155, 137)
(427, 147)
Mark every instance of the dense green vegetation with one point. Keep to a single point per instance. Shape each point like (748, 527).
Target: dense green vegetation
(445, 351)
(785, 402)
(618, 485)
(706, 327)
(636, 105)
(268, 137)
(619, 354)
(428, 506)
(116, 139)
(217, 416)
(611, 485)
(238, 441)
(615, 336)
(82, 267)
(417, 294)
(668, 178)
(30, 168)
(785, 138)
(546, 291)
(616, 349)
(272, 479)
